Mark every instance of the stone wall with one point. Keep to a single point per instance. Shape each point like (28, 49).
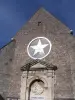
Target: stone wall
(6, 59)
(62, 55)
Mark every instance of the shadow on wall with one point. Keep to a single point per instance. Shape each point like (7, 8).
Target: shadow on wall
(1, 98)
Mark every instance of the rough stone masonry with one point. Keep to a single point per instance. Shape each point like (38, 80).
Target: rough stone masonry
(14, 55)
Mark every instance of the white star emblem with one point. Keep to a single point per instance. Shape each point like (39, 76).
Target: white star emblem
(39, 48)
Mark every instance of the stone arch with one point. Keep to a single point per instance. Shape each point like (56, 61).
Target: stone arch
(35, 83)
(37, 78)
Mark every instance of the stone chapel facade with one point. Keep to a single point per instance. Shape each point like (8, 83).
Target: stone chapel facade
(52, 78)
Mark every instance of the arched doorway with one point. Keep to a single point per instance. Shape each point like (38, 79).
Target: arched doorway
(37, 81)
(37, 90)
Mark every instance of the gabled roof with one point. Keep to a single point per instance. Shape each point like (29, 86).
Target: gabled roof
(28, 65)
(35, 17)
(43, 16)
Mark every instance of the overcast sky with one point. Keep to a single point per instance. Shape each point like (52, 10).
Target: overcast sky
(15, 13)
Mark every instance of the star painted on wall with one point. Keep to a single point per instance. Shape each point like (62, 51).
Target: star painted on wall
(39, 48)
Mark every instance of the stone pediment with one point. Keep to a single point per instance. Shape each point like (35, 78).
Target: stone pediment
(38, 65)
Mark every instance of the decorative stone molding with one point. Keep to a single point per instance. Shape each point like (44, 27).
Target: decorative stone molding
(28, 65)
(31, 73)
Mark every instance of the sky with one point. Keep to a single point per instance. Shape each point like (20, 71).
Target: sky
(15, 13)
